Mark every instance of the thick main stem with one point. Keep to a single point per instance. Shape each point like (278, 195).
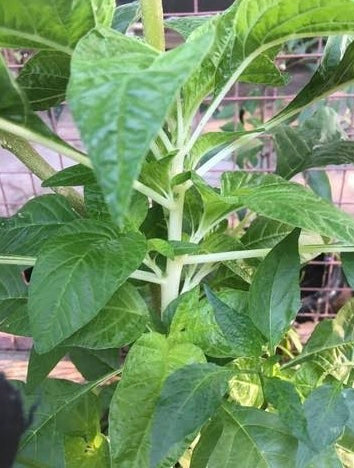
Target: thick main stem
(39, 167)
(152, 13)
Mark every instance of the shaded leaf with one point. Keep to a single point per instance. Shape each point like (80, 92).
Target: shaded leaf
(319, 182)
(125, 16)
(348, 267)
(71, 176)
(40, 365)
(93, 364)
(80, 453)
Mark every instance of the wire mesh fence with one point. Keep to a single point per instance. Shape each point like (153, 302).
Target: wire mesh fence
(324, 288)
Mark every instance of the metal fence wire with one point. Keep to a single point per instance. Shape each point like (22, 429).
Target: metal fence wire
(324, 288)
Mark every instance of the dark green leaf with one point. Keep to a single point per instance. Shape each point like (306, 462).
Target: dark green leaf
(287, 202)
(284, 397)
(149, 362)
(275, 290)
(209, 437)
(189, 397)
(125, 16)
(348, 267)
(119, 323)
(39, 219)
(348, 395)
(71, 176)
(236, 327)
(75, 275)
(307, 458)
(40, 365)
(319, 182)
(93, 364)
(249, 438)
(136, 92)
(44, 78)
(264, 233)
(13, 301)
(95, 204)
(46, 25)
(326, 415)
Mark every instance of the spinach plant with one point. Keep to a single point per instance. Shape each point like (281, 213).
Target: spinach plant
(146, 258)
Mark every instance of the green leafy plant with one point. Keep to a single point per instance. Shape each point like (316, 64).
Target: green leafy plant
(145, 257)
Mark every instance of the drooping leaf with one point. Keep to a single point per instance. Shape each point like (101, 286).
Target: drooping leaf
(149, 362)
(348, 267)
(189, 397)
(80, 268)
(196, 323)
(13, 301)
(119, 323)
(125, 16)
(284, 397)
(326, 414)
(275, 290)
(319, 182)
(236, 327)
(71, 176)
(136, 92)
(287, 202)
(40, 365)
(329, 335)
(44, 79)
(47, 25)
(247, 438)
(94, 363)
(39, 219)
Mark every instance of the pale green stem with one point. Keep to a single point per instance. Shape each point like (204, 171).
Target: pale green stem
(39, 167)
(257, 253)
(166, 141)
(155, 150)
(154, 32)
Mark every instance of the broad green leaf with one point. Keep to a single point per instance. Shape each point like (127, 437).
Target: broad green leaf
(237, 328)
(308, 458)
(81, 453)
(40, 365)
(274, 298)
(26, 231)
(104, 11)
(209, 436)
(136, 92)
(47, 25)
(125, 16)
(186, 25)
(182, 305)
(319, 182)
(348, 267)
(44, 79)
(264, 233)
(196, 323)
(76, 273)
(64, 409)
(330, 335)
(189, 397)
(284, 397)
(162, 247)
(13, 301)
(249, 438)
(17, 117)
(287, 202)
(155, 174)
(348, 395)
(119, 323)
(71, 176)
(307, 377)
(95, 204)
(94, 363)
(326, 414)
(149, 362)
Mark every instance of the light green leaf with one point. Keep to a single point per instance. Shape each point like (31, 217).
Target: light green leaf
(186, 25)
(40, 218)
(104, 11)
(210, 142)
(13, 301)
(264, 233)
(155, 174)
(275, 290)
(44, 79)
(80, 269)
(125, 16)
(287, 202)
(47, 25)
(249, 438)
(95, 204)
(40, 365)
(149, 362)
(326, 414)
(284, 397)
(348, 267)
(330, 335)
(236, 327)
(246, 388)
(308, 458)
(80, 453)
(162, 247)
(136, 92)
(71, 176)
(189, 397)
(119, 323)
